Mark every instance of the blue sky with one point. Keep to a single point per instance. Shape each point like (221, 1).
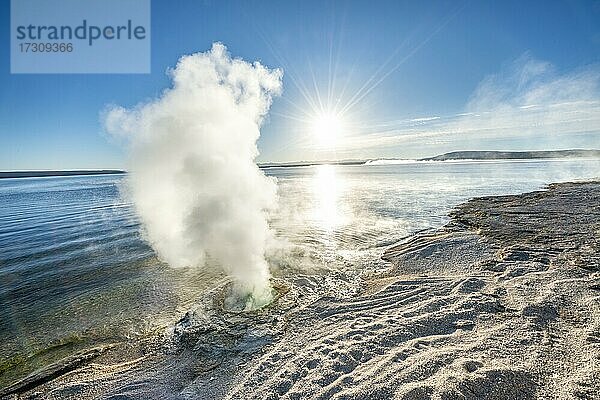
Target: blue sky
(435, 76)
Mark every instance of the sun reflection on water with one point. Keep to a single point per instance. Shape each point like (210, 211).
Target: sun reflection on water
(328, 187)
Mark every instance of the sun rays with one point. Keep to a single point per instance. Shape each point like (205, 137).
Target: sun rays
(330, 108)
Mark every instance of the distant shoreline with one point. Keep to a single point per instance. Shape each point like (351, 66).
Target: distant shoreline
(42, 174)
(514, 155)
(452, 156)
(296, 164)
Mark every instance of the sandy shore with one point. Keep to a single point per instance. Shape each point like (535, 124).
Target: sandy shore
(501, 303)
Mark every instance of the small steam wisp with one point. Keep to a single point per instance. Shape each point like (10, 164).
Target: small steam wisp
(193, 179)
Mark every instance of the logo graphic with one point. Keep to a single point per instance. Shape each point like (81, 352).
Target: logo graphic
(75, 36)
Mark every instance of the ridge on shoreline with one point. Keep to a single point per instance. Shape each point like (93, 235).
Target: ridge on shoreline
(514, 155)
(48, 173)
(454, 155)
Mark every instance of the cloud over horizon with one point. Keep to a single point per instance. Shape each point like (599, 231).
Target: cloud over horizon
(527, 105)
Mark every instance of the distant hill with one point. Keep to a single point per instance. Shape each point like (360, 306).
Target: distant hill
(455, 155)
(514, 155)
(40, 174)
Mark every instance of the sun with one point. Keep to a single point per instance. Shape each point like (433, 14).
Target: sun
(327, 129)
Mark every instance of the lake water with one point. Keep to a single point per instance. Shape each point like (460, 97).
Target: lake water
(75, 270)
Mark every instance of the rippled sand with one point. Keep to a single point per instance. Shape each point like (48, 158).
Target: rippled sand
(501, 303)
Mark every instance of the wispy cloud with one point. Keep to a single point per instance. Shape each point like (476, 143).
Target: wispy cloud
(527, 104)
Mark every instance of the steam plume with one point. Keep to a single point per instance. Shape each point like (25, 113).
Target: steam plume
(193, 180)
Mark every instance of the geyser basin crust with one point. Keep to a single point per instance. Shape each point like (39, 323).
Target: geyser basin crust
(502, 303)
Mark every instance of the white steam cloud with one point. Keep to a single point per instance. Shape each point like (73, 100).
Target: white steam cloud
(193, 178)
